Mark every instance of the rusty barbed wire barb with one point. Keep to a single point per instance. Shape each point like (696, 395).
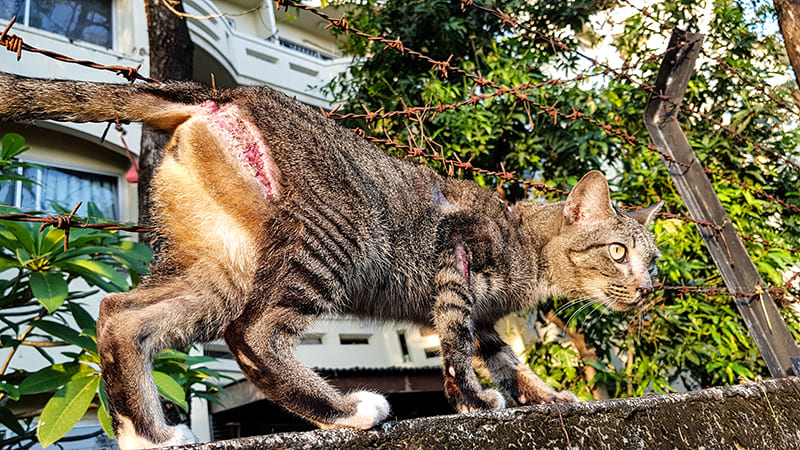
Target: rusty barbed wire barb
(790, 281)
(767, 244)
(759, 192)
(395, 44)
(62, 222)
(15, 44)
(789, 107)
(778, 293)
(718, 229)
(663, 25)
(415, 152)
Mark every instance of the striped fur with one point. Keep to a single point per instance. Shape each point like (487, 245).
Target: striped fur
(274, 215)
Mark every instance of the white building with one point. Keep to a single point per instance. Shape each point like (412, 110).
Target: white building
(242, 42)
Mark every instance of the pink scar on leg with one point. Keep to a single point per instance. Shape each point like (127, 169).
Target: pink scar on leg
(461, 257)
(245, 143)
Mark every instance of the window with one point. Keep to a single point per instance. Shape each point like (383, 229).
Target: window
(401, 336)
(80, 20)
(217, 350)
(310, 339)
(65, 188)
(433, 352)
(354, 339)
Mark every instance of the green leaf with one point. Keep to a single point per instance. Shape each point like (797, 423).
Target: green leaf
(96, 273)
(170, 389)
(22, 235)
(51, 240)
(66, 408)
(132, 254)
(8, 419)
(103, 415)
(82, 317)
(8, 263)
(11, 391)
(50, 288)
(210, 397)
(12, 145)
(67, 334)
(52, 378)
(185, 358)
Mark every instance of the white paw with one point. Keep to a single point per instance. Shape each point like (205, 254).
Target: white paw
(501, 401)
(128, 439)
(181, 434)
(372, 409)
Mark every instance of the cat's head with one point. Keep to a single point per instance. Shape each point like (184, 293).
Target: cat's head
(601, 253)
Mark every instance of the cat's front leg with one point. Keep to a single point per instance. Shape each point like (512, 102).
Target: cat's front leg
(512, 375)
(452, 316)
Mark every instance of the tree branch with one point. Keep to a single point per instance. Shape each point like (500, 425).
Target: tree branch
(599, 390)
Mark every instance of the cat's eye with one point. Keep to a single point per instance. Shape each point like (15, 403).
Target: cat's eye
(617, 252)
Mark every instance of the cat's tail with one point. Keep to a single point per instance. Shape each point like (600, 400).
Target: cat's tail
(162, 105)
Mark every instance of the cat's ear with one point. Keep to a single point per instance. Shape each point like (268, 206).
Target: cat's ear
(589, 203)
(645, 216)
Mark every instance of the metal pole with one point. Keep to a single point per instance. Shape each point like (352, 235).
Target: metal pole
(760, 314)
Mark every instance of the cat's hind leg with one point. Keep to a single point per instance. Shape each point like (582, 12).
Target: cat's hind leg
(262, 340)
(512, 375)
(132, 328)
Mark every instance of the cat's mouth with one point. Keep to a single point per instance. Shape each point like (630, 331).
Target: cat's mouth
(635, 301)
(624, 299)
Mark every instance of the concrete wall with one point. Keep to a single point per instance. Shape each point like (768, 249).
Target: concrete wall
(762, 415)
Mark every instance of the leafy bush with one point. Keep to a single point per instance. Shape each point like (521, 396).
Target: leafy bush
(39, 309)
(681, 340)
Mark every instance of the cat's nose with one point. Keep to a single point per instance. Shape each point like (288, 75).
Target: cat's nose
(645, 288)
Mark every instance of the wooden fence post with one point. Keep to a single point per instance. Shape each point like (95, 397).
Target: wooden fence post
(760, 314)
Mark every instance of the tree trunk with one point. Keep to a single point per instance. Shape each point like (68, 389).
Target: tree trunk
(171, 53)
(788, 12)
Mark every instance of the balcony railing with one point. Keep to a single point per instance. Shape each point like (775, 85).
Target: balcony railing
(253, 61)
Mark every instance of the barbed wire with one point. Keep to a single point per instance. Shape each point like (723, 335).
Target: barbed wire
(15, 44)
(648, 88)
(475, 98)
(547, 109)
(662, 25)
(66, 222)
(759, 86)
(789, 107)
(777, 293)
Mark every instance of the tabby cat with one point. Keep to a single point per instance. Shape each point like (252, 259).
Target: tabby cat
(275, 215)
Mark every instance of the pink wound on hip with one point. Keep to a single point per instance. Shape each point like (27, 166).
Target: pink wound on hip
(245, 143)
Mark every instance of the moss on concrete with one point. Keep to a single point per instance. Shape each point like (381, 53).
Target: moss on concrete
(763, 415)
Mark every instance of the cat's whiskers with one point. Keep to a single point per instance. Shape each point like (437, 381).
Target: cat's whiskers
(639, 334)
(596, 299)
(577, 300)
(572, 302)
